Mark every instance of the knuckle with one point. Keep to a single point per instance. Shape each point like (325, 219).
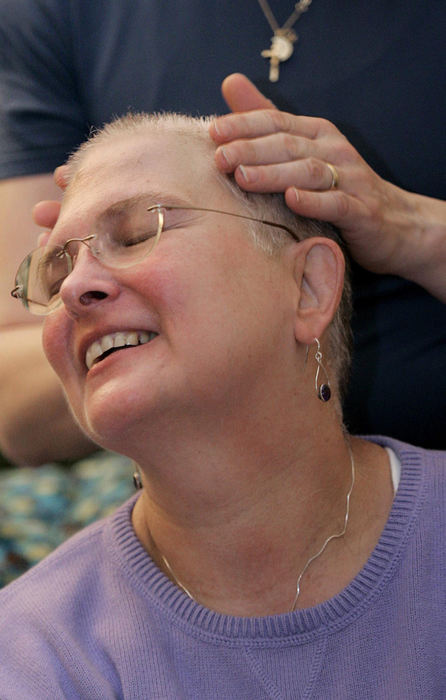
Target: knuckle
(268, 179)
(289, 146)
(246, 151)
(325, 124)
(342, 205)
(343, 152)
(375, 210)
(280, 121)
(277, 183)
(315, 170)
(276, 120)
(324, 127)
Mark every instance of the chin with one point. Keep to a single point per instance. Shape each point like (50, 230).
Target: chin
(115, 418)
(110, 428)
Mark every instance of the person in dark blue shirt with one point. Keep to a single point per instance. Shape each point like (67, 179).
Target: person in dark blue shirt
(372, 70)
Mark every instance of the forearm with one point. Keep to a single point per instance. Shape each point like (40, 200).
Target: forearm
(35, 423)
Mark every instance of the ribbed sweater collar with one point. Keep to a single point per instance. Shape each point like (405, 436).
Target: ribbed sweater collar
(297, 627)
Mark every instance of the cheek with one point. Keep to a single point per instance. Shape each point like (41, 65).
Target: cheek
(213, 304)
(173, 284)
(55, 343)
(55, 340)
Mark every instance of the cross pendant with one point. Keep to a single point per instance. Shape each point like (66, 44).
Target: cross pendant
(281, 50)
(274, 62)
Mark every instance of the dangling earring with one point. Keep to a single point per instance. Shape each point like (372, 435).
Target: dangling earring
(137, 481)
(323, 391)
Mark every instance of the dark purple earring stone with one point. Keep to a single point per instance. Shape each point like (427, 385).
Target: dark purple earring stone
(324, 393)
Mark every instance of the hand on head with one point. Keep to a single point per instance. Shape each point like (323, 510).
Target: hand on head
(321, 174)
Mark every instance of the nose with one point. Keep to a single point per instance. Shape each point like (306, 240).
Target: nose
(88, 285)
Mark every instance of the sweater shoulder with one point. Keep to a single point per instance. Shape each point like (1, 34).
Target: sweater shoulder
(75, 566)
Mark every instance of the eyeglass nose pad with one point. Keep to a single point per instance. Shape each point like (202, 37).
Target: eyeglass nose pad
(72, 256)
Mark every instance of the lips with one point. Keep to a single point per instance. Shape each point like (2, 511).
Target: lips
(111, 342)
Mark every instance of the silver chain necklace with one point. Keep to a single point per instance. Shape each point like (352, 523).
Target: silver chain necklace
(335, 535)
(284, 37)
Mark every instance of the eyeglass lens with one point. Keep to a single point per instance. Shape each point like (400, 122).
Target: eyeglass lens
(122, 244)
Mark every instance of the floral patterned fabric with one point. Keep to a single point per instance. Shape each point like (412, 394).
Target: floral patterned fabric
(41, 507)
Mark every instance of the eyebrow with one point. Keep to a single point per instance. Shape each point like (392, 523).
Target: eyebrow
(150, 198)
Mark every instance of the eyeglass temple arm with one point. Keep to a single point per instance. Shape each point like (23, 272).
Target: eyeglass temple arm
(229, 213)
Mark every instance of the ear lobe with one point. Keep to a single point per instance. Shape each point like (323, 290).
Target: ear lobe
(319, 273)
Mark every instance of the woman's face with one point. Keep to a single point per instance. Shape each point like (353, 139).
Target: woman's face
(217, 311)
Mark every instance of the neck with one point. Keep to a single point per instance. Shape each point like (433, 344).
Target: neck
(241, 550)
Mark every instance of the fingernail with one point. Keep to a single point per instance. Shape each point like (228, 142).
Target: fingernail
(221, 128)
(296, 193)
(249, 176)
(243, 173)
(214, 127)
(225, 156)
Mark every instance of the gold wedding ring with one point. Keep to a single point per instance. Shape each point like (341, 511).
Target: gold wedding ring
(334, 176)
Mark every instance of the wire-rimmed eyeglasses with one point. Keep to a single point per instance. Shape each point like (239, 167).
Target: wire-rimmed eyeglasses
(132, 238)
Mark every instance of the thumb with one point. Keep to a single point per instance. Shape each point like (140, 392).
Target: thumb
(43, 238)
(46, 213)
(241, 95)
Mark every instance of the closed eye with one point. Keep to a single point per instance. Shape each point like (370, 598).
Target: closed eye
(136, 239)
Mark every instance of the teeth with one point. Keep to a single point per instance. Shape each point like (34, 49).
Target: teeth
(105, 344)
(115, 340)
(119, 340)
(132, 338)
(93, 352)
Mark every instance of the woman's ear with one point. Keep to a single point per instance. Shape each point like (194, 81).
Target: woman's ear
(319, 268)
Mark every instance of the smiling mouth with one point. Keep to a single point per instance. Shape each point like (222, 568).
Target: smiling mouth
(112, 342)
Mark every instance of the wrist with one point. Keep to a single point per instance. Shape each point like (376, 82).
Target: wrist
(422, 251)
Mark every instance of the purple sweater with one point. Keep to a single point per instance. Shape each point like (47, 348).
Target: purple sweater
(97, 619)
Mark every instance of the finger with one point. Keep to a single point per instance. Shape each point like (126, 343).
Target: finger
(266, 150)
(336, 207)
(241, 95)
(60, 176)
(43, 238)
(46, 213)
(262, 122)
(308, 173)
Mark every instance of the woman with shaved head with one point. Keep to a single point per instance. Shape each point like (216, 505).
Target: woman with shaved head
(204, 332)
